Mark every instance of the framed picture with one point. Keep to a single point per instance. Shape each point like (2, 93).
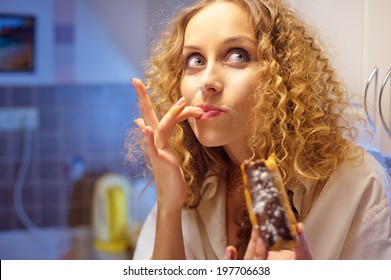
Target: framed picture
(17, 34)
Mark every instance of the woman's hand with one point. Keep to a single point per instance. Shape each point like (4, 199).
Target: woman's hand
(169, 180)
(256, 249)
(170, 184)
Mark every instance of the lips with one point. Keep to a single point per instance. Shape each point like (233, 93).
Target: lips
(209, 112)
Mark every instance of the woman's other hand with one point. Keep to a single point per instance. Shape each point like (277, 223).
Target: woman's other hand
(256, 249)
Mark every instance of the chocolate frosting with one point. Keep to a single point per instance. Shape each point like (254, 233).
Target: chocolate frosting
(267, 207)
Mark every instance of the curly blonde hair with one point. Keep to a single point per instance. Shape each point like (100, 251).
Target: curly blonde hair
(298, 101)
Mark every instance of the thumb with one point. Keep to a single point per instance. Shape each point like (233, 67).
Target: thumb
(231, 253)
(303, 251)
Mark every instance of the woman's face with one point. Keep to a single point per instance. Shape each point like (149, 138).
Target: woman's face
(220, 54)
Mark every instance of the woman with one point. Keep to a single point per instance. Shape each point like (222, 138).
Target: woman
(242, 79)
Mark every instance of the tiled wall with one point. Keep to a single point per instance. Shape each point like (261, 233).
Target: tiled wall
(89, 122)
(64, 29)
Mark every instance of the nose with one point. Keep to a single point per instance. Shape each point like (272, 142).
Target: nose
(211, 81)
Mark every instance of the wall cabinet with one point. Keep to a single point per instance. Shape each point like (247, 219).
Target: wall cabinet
(357, 35)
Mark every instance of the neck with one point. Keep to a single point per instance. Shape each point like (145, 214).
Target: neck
(238, 152)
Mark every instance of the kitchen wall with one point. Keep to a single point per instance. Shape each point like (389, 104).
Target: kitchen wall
(359, 45)
(89, 41)
(86, 52)
(80, 126)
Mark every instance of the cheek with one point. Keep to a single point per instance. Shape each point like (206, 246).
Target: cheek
(242, 98)
(187, 89)
(182, 88)
(241, 82)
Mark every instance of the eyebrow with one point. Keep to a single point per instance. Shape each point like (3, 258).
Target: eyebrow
(226, 41)
(240, 38)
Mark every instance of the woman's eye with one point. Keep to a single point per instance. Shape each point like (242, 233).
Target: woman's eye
(195, 61)
(238, 56)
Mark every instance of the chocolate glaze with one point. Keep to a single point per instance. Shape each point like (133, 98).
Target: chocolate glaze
(267, 206)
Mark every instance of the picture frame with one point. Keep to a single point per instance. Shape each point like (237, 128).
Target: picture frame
(17, 40)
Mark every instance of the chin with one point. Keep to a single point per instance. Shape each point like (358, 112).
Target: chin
(213, 135)
(210, 142)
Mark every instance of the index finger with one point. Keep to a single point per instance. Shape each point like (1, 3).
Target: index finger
(145, 104)
(256, 249)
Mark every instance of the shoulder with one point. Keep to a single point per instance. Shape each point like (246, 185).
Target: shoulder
(362, 183)
(362, 173)
(356, 197)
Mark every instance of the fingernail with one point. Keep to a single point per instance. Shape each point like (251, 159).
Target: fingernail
(137, 83)
(180, 101)
(137, 122)
(229, 255)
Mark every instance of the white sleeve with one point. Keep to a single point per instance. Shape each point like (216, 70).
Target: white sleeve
(146, 239)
